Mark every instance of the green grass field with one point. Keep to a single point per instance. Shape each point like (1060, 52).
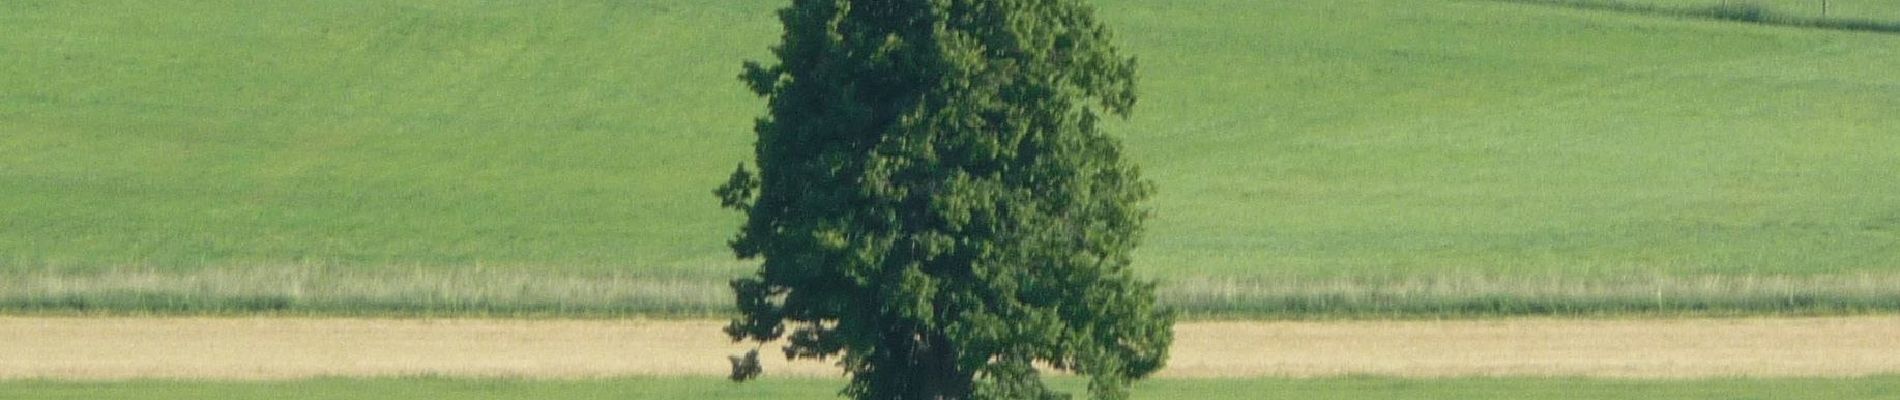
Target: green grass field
(557, 157)
(708, 388)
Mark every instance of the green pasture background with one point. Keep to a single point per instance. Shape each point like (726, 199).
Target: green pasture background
(559, 156)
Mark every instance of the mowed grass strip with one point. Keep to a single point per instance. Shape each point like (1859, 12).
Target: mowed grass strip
(299, 348)
(1872, 388)
(1364, 145)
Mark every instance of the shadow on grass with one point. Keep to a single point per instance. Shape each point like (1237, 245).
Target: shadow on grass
(1735, 11)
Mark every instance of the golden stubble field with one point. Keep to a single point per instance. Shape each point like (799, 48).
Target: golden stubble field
(283, 348)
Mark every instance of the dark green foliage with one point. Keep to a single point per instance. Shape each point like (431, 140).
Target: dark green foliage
(935, 205)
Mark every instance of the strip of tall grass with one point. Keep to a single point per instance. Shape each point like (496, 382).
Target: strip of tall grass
(1481, 296)
(1739, 10)
(306, 290)
(479, 292)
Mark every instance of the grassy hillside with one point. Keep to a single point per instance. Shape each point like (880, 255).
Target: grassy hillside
(570, 135)
(551, 155)
(1367, 137)
(706, 388)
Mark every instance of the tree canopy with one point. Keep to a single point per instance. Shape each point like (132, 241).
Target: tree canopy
(935, 206)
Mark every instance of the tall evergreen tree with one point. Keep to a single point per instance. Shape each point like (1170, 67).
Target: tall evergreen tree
(935, 206)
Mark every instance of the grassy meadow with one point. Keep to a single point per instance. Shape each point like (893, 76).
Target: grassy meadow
(1213, 389)
(1388, 157)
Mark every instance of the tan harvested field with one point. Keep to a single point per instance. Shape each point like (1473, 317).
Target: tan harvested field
(273, 348)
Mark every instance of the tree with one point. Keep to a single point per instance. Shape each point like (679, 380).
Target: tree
(935, 205)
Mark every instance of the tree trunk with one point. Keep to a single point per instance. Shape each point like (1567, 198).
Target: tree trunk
(918, 365)
(946, 381)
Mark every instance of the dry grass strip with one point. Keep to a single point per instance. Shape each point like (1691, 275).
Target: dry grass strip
(1639, 348)
(279, 348)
